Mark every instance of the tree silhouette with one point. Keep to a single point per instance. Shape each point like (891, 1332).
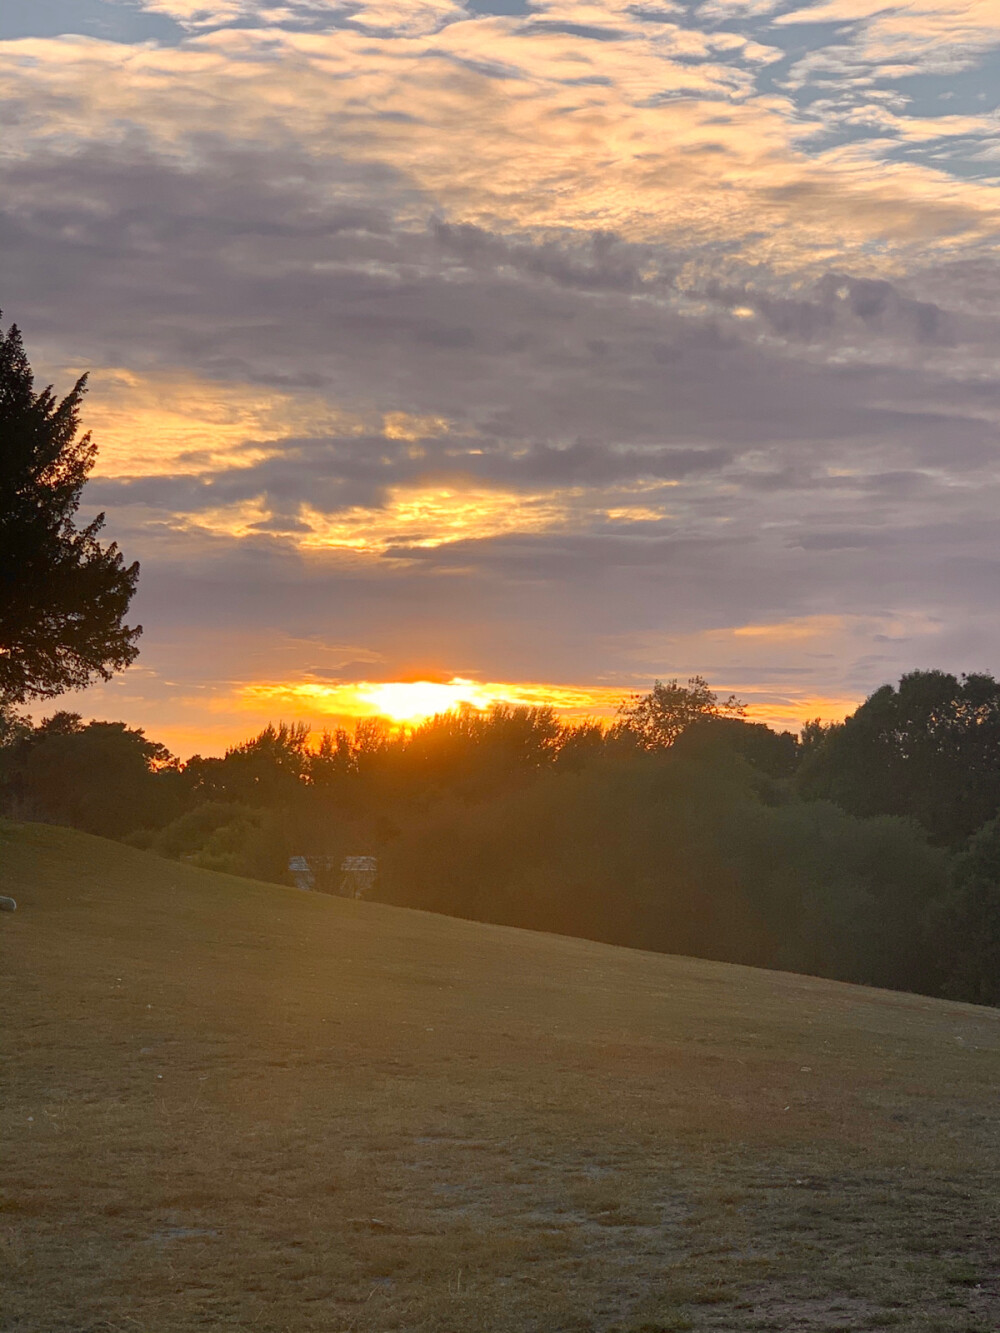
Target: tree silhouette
(657, 719)
(928, 750)
(63, 596)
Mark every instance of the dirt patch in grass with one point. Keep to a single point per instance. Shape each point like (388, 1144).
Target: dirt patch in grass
(233, 1106)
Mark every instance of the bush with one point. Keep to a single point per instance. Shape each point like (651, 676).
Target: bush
(226, 836)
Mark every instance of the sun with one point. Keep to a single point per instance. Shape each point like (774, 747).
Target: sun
(406, 703)
(415, 700)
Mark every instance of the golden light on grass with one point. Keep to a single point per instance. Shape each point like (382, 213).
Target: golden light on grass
(327, 1092)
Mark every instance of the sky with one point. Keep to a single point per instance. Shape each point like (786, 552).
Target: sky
(535, 349)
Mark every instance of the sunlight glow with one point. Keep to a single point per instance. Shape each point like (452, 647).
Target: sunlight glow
(407, 703)
(410, 702)
(210, 721)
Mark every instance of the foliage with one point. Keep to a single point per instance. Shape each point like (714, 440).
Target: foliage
(104, 777)
(251, 844)
(660, 717)
(261, 771)
(227, 836)
(684, 829)
(928, 750)
(63, 596)
(184, 836)
(967, 926)
(813, 734)
(774, 753)
(676, 852)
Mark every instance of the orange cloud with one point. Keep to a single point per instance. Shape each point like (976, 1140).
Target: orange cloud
(427, 516)
(156, 423)
(658, 134)
(785, 631)
(415, 700)
(171, 423)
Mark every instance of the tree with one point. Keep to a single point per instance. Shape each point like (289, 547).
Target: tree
(268, 769)
(813, 734)
(658, 718)
(928, 750)
(481, 752)
(773, 753)
(63, 596)
(966, 928)
(104, 778)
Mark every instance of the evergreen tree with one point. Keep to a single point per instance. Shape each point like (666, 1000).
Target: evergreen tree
(63, 595)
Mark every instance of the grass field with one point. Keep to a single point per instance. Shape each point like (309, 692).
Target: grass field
(231, 1105)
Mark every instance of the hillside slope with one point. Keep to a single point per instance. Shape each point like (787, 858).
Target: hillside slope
(231, 1105)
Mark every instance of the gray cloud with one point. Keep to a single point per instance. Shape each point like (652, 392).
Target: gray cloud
(719, 441)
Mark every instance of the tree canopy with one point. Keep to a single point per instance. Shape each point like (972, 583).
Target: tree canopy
(658, 718)
(63, 595)
(705, 843)
(928, 750)
(100, 777)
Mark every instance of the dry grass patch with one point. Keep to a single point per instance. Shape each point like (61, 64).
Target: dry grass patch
(228, 1105)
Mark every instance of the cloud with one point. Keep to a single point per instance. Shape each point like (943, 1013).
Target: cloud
(940, 36)
(879, 41)
(192, 13)
(409, 17)
(496, 122)
(170, 423)
(585, 344)
(195, 14)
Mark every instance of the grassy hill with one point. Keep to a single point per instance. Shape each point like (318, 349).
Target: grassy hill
(230, 1105)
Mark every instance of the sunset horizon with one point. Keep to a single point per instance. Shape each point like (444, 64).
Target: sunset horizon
(543, 344)
(500, 665)
(325, 706)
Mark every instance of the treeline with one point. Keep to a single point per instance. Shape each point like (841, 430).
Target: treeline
(867, 850)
